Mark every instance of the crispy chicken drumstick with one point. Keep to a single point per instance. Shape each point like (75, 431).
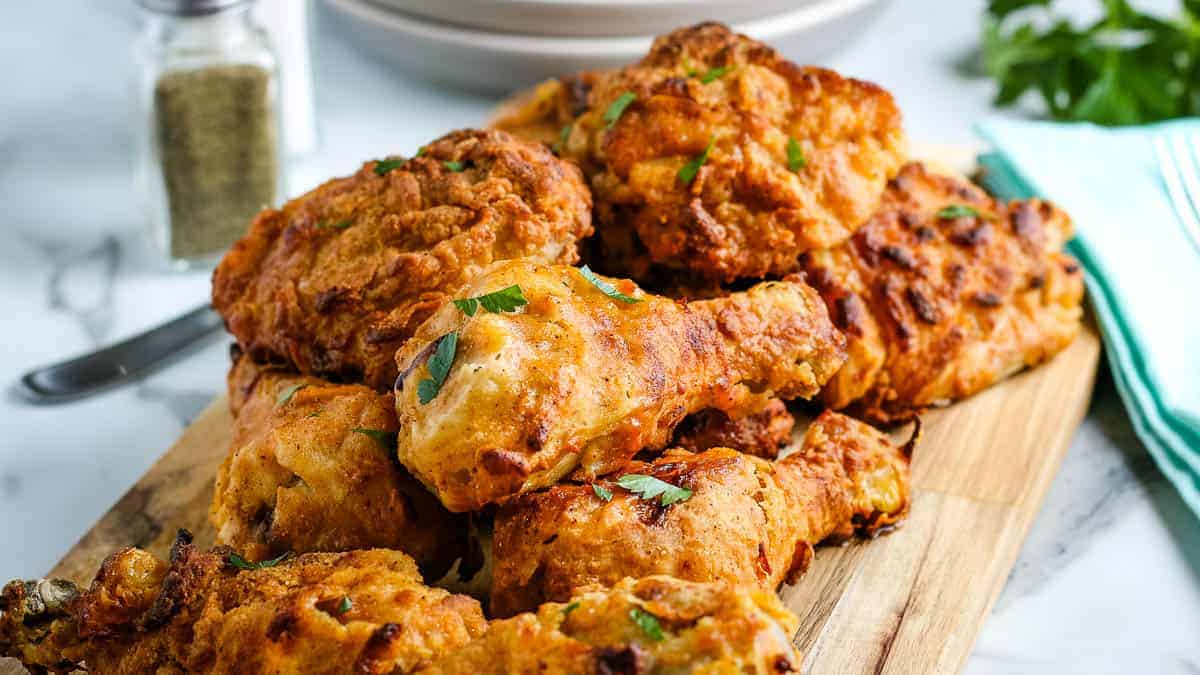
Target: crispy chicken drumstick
(745, 521)
(580, 378)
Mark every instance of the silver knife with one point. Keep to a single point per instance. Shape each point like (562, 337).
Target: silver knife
(124, 361)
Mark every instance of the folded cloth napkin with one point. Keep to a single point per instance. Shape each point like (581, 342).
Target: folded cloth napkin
(1142, 270)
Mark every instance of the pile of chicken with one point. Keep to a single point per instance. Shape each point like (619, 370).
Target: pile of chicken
(426, 387)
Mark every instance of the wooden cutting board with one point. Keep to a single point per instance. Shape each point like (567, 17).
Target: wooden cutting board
(909, 602)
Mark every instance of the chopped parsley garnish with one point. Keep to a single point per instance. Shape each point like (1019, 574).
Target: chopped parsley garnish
(687, 67)
(287, 394)
(570, 608)
(958, 211)
(602, 492)
(796, 159)
(617, 108)
(649, 487)
(439, 367)
(386, 439)
(339, 225)
(605, 287)
(456, 167)
(503, 300)
(385, 165)
(648, 623)
(345, 605)
(715, 74)
(563, 135)
(242, 564)
(315, 413)
(687, 174)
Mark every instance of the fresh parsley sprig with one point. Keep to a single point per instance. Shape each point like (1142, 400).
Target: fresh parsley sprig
(687, 173)
(287, 394)
(385, 165)
(241, 563)
(649, 487)
(957, 211)
(648, 623)
(605, 287)
(715, 74)
(602, 492)
(439, 368)
(795, 155)
(617, 108)
(345, 605)
(454, 167)
(503, 300)
(386, 439)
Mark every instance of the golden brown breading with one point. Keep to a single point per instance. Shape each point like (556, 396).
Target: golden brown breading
(761, 434)
(337, 279)
(748, 522)
(299, 478)
(576, 379)
(705, 628)
(362, 612)
(750, 210)
(937, 308)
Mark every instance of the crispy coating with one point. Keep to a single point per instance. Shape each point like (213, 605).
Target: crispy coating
(299, 478)
(337, 279)
(750, 210)
(938, 308)
(761, 433)
(706, 628)
(362, 612)
(748, 522)
(579, 380)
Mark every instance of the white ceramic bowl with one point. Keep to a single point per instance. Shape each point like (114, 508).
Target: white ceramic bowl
(503, 62)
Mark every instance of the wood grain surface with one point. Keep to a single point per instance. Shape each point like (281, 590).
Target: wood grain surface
(912, 601)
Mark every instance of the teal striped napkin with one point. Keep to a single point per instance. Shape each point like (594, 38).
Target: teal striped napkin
(1143, 273)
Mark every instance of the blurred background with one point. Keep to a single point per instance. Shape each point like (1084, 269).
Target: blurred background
(1110, 577)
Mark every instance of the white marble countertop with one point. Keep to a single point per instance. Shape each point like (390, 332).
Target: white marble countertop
(1108, 581)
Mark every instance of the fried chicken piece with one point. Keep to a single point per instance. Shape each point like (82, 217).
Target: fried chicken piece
(761, 434)
(789, 158)
(705, 628)
(945, 292)
(336, 280)
(577, 379)
(362, 612)
(311, 467)
(747, 521)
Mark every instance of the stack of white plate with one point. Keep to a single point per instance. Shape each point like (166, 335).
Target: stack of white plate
(499, 45)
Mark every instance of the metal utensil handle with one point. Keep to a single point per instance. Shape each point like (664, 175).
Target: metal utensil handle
(117, 363)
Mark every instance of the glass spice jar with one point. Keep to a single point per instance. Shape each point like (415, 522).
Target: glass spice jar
(209, 140)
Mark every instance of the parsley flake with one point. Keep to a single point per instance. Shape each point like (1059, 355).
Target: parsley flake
(715, 74)
(241, 563)
(386, 439)
(287, 394)
(563, 135)
(602, 492)
(688, 172)
(345, 605)
(315, 413)
(957, 211)
(439, 367)
(385, 165)
(649, 487)
(796, 160)
(648, 623)
(456, 167)
(605, 287)
(617, 108)
(503, 300)
(570, 608)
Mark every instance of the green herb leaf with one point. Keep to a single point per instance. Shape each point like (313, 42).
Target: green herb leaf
(570, 608)
(605, 287)
(385, 165)
(714, 74)
(687, 67)
(241, 563)
(456, 167)
(563, 135)
(386, 439)
(315, 413)
(649, 487)
(439, 367)
(340, 225)
(602, 492)
(648, 623)
(420, 151)
(345, 605)
(958, 211)
(503, 300)
(795, 154)
(688, 172)
(287, 394)
(617, 108)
